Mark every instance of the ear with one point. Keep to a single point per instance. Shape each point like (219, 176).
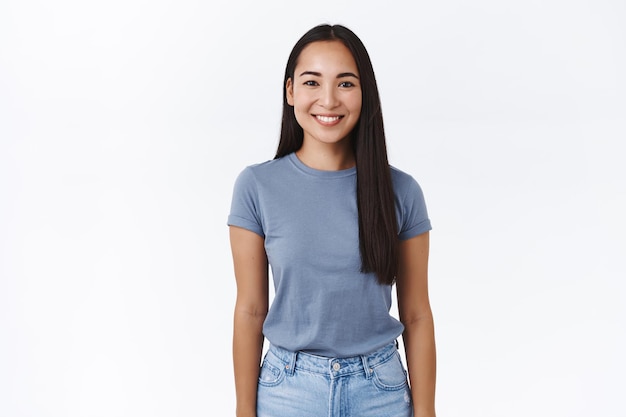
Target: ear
(289, 92)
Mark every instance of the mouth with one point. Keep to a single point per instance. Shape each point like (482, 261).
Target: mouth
(328, 120)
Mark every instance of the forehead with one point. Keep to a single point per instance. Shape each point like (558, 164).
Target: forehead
(330, 57)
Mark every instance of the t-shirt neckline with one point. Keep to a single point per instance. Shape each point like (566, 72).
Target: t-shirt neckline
(293, 158)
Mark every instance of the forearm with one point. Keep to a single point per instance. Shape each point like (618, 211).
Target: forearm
(247, 350)
(419, 344)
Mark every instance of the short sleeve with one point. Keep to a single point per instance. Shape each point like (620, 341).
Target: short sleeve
(244, 209)
(414, 216)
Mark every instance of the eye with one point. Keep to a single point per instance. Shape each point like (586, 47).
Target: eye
(310, 83)
(346, 84)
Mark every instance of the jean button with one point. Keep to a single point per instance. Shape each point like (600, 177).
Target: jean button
(336, 366)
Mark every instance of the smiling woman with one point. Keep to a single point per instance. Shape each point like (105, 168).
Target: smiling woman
(339, 227)
(326, 96)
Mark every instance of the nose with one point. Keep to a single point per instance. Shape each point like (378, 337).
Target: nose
(328, 97)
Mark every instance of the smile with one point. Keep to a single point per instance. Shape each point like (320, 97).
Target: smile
(328, 120)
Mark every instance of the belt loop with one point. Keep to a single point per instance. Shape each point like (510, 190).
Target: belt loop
(366, 367)
(290, 367)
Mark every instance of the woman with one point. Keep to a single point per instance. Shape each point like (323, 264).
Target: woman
(338, 226)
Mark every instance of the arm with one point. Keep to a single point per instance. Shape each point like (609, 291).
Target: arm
(251, 274)
(415, 314)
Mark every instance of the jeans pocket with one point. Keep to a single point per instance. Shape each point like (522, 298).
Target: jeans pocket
(270, 375)
(390, 375)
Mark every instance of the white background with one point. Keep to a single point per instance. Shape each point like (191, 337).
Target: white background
(123, 125)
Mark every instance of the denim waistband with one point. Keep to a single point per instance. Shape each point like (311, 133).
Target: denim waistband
(334, 367)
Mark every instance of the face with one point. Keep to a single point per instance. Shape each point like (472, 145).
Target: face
(325, 92)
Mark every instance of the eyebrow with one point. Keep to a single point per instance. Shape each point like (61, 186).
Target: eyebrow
(340, 75)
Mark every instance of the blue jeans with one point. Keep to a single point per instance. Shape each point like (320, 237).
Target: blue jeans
(297, 384)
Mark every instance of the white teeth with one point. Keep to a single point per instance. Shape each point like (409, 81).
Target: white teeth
(328, 119)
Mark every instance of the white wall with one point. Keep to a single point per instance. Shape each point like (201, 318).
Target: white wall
(124, 123)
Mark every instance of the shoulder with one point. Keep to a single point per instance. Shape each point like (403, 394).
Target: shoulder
(266, 168)
(259, 167)
(411, 205)
(399, 176)
(261, 171)
(403, 182)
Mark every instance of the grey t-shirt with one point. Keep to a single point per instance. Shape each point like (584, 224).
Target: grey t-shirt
(323, 304)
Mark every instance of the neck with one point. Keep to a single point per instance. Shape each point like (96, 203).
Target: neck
(327, 157)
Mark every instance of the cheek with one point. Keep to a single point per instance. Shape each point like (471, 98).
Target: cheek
(356, 109)
(355, 103)
(300, 117)
(300, 106)
(301, 111)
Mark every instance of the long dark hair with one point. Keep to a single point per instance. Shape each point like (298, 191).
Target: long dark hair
(378, 227)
